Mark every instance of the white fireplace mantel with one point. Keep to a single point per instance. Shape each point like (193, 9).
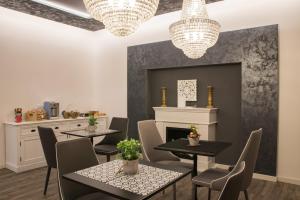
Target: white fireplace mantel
(205, 120)
(189, 115)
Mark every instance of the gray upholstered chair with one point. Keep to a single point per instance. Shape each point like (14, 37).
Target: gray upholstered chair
(249, 155)
(150, 138)
(48, 141)
(108, 146)
(72, 156)
(232, 187)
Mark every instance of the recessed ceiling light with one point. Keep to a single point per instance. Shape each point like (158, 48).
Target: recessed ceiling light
(63, 8)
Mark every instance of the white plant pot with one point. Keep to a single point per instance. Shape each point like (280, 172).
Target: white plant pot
(91, 129)
(194, 141)
(130, 167)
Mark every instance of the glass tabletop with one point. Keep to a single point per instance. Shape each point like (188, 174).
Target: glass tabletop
(85, 133)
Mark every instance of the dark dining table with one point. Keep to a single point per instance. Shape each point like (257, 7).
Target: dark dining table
(204, 148)
(151, 179)
(91, 135)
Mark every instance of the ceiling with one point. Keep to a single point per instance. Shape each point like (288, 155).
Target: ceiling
(73, 12)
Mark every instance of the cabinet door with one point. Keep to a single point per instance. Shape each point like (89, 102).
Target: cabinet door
(31, 150)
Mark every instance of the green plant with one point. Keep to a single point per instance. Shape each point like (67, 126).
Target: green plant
(129, 149)
(92, 120)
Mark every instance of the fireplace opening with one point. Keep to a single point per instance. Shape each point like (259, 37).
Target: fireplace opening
(173, 133)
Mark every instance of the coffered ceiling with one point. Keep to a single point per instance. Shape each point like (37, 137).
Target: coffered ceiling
(73, 12)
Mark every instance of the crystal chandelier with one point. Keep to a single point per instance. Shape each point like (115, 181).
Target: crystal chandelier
(195, 32)
(121, 17)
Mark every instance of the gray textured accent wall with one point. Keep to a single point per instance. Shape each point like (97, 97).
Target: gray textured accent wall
(257, 51)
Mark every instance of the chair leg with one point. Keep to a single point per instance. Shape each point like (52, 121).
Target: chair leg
(174, 191)
(246, 194)
(47, 180)
(107, 158)
(209, 193)
(194, 192)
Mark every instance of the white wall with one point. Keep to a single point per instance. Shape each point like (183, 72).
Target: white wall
(43, 60)
(233, 15)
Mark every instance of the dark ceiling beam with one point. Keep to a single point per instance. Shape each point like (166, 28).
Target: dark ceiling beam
(40, 10)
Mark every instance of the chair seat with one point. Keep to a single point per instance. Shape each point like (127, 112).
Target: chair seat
(106, 149)
(205, 178)
(175, 163)
(96, 196)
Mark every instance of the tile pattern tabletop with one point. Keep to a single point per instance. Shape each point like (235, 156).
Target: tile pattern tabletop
(146, 181)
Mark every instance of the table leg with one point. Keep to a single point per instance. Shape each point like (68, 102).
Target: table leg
(92, 140)
(174, 191)
(195, 168)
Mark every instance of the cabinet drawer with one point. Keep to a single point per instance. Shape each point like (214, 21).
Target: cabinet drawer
(29, 130)
(78, 125)
(57, 127)
(101, 122)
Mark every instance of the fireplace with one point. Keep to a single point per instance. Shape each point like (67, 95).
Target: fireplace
(173, 133)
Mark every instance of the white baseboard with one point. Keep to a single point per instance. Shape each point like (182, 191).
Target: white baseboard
(23, 168)
(289, 180)
(255, 175)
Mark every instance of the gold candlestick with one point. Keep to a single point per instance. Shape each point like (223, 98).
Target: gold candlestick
(210, 100)
(163, 96)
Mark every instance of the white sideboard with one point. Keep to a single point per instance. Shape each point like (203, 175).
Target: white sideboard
(205, 120)
(23, 146)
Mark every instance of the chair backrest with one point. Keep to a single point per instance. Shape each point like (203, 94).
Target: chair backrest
(48, 140)
(150, 138)
(120, 124)
(232, 187)
(72, 156)
(249, 155)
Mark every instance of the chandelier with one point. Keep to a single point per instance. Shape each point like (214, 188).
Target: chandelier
(121, 17)
(195, 32)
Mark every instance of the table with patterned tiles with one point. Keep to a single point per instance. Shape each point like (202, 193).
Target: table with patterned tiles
(147, 180)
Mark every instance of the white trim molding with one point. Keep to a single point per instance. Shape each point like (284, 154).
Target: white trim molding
(289, 180)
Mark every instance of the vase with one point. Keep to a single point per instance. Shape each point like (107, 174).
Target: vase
(130, 167)
(194, 141)
(91, 129)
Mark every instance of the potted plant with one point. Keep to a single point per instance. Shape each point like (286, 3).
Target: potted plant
(194, 136)
(92, 124)
(130, 153)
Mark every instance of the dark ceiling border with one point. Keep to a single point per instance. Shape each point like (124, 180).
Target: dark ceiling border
(256, 49)
(40, 10)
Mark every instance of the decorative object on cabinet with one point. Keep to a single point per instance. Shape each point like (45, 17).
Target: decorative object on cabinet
(18, 115)
(31, 115)
(130, 153)
(74, 114)
(194, 136)
(65, 114)
(92, 127)
(163, 96)
(186, 91)
(194, 33)
(41, 114)
(210, 97)
(52, 109)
